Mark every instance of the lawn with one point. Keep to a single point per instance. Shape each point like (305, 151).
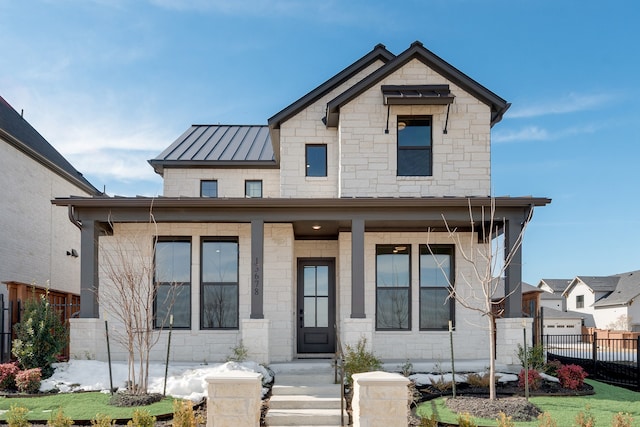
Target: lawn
(603, 405)
(78, 406)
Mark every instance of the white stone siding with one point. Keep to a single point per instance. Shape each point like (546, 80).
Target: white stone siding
(368, 158)
(510, 334)
(186, 182)
(34, 234)
(306, 127)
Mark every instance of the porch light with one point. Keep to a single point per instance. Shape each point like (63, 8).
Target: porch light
(316, 227)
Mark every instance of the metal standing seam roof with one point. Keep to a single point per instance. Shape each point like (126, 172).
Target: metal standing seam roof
(19, 133)
(222, 145)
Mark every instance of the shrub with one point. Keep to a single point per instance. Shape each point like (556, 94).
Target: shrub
(429, 422)
(571, 376)
(465, 420)
(357, 360)
(504, 421)
(535, 380)
(477, 380)
(8, 373)
(28, 381)
(240, 353)
(142, 418)
(441, 385)
(102, 420)
(60, 420)
(40, 336)
(545, 420)
(17, 416)
(551, 368)
(585, 418)
(622, 420)
(535, 356)
(183, 415)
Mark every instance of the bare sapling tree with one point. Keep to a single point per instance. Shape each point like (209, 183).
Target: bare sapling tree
(127, 295)
(477, 286)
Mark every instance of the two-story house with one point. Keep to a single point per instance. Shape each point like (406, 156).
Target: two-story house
(327, 221)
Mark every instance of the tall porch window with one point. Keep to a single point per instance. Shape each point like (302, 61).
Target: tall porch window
(393, 278)
(219, 284)
(436, 277)
(172, 277)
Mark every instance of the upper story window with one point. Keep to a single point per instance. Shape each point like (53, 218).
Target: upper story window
(579, 301)
(209, 188)
(253, 188)
(316, 159)
(393, 291)
(414, 146)
(219, 282)
(436, 278)
(172, 276)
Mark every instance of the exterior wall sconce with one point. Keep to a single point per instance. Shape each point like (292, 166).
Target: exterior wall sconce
(72, 253)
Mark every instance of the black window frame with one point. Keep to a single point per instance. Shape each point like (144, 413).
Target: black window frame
(208, 181)
(430, 250)
(225, 284)
(412, 150)
(247, 182)
(307, 159)
(158, 285)
(387, 249)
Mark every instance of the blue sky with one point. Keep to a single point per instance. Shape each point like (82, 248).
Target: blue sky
(111, 83)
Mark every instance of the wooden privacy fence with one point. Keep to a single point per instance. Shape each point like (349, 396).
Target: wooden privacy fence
(66, 304)
(610, 360)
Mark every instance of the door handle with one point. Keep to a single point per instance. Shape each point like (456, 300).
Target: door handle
(301, 317)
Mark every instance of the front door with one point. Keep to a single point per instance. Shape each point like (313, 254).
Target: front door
(316, 305)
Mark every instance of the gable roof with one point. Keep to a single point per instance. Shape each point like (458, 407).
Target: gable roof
(20, 134)
(557, 285)
(417, 51)
(627, 289)
(219, 145)
(379, 53)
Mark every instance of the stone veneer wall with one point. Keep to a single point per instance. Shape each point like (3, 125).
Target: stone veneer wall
(509, 334)
(186, 182)
(380, 399)
(234, 399)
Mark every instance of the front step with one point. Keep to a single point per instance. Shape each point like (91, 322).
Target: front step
(304, 399)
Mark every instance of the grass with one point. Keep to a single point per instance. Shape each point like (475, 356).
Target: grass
(78, 406)
(603, 405)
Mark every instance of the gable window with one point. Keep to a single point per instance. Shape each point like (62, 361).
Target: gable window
(393, 278)
(219, 284)
(172, 276)
(414, 146)
(436, 277)
(253, 188)
(579, 301)
(209, 188)
(316, 159)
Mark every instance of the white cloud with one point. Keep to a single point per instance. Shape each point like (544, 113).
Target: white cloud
(536, 133)
(569, 103)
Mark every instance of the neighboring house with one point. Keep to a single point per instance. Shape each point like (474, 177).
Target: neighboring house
(38, 244)
(552, 297)
(610, 300)
(327, 221)
(557, 322)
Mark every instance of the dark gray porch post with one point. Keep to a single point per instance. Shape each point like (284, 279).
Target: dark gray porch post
(89, 270)
(357, 269)
(257, 264)
(513, 272)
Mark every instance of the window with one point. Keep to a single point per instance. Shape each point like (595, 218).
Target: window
(209, 188)
(316, 159)
(414, 146)
(219, 276)
(579, 301)
(172, 277)
(436, 277)
(253, 188)
(393, 267)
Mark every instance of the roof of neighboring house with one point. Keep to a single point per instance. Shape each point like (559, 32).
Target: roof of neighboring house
(526, 288)
(558, 285)
(219, 145)
(551, 313)
(550, 296)
(21, 135)
(626, 290)
(417, 51)
(595, 283)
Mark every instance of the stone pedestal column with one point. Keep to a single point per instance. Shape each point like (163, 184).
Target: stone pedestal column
(255, 337)
(87, 339)
(509, 333)
(234, 399)
(380, 399)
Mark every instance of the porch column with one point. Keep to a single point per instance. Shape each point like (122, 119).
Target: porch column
(257, 264)
(357, 269)
(513, 272)
(89, 269)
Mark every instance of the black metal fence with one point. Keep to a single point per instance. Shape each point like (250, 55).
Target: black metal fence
(611, 360)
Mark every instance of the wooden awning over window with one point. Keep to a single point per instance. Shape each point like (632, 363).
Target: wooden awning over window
(417, 95)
